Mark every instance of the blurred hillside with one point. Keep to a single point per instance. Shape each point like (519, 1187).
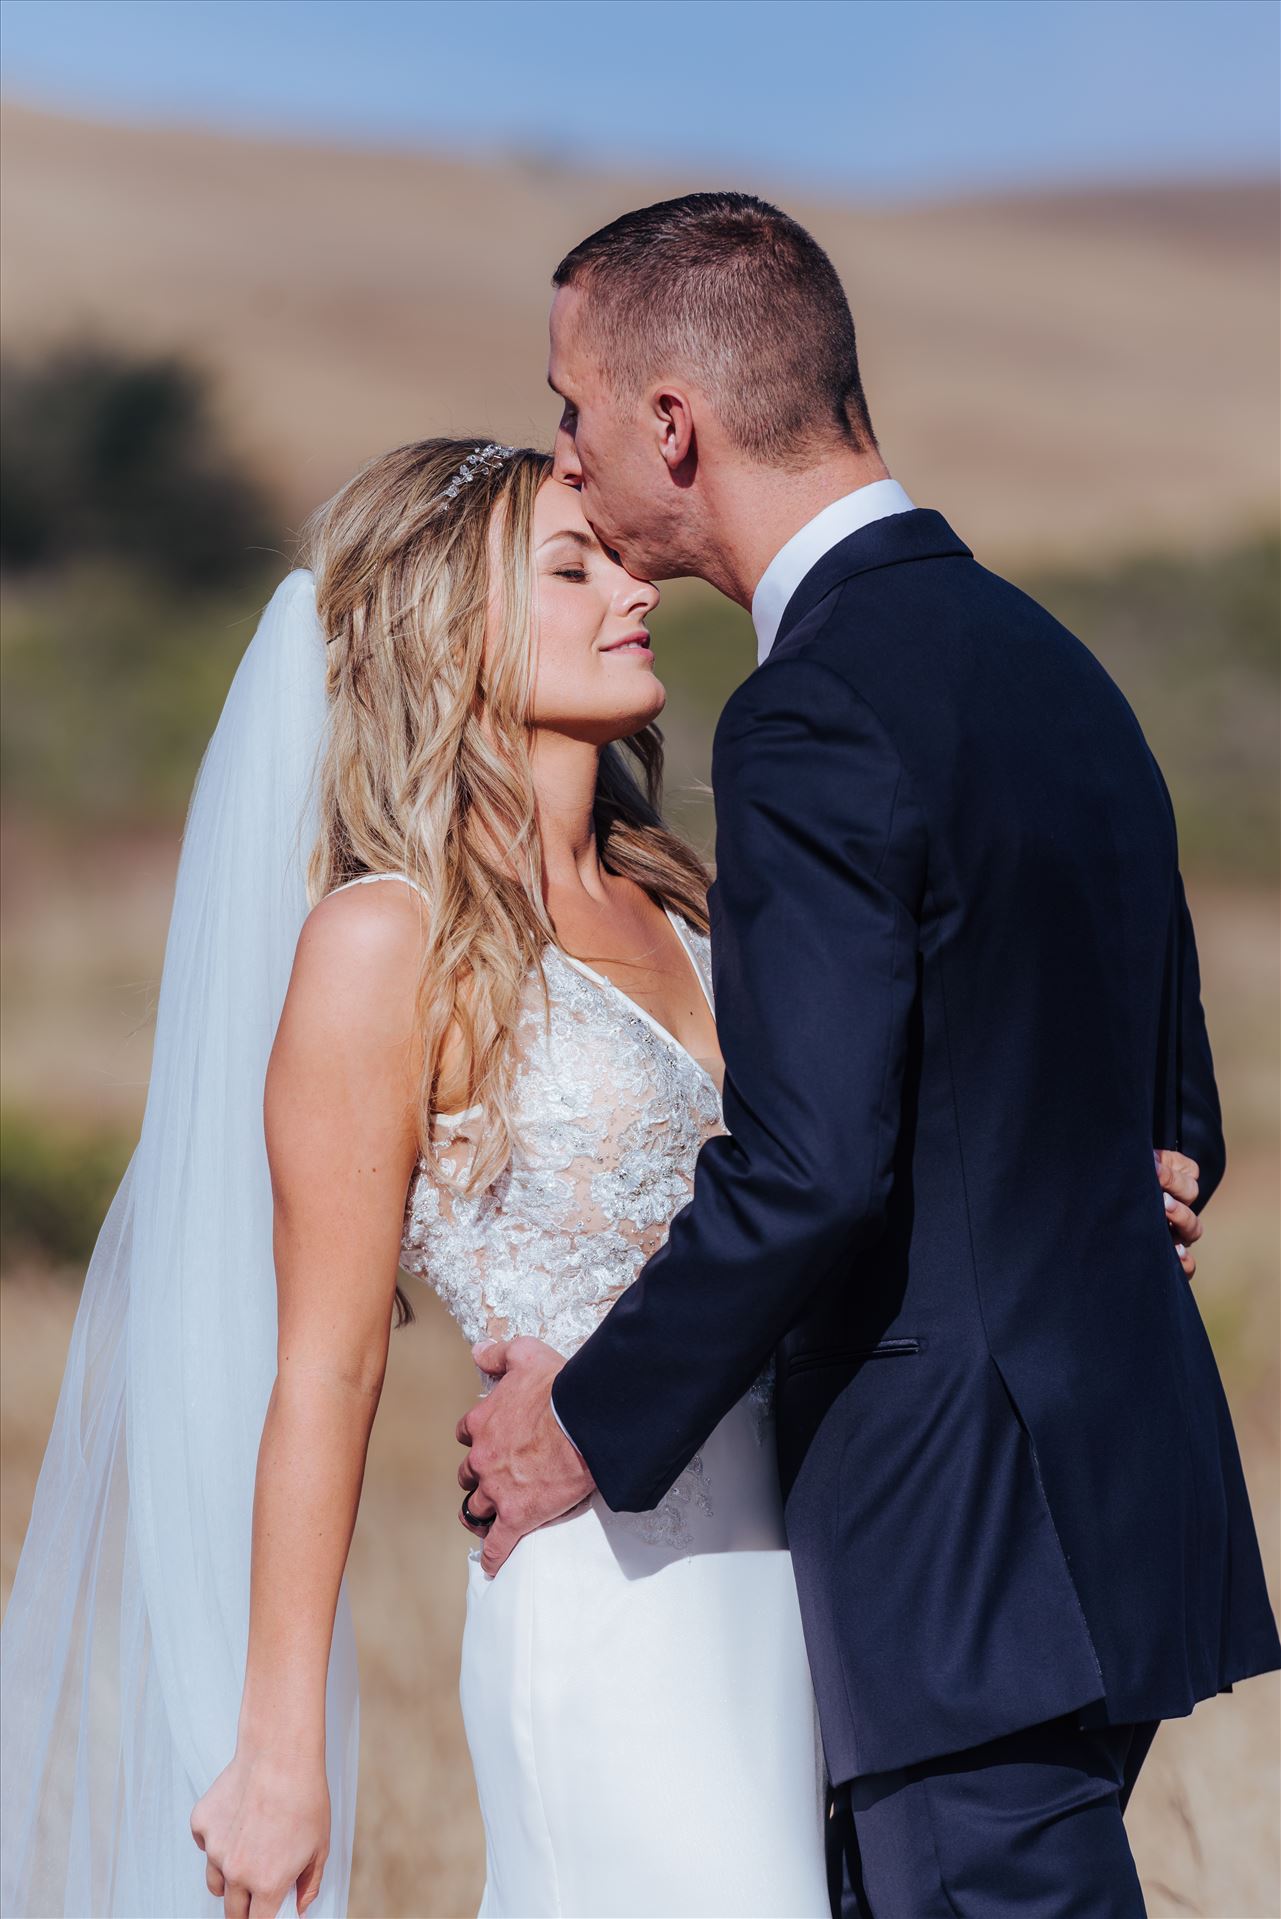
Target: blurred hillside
(114, 678)
(1062, 374)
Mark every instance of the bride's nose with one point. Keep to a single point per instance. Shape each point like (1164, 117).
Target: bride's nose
(638, 596)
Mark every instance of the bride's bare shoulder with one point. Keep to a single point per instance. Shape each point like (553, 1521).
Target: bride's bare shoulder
(345, 1060)
(359, 954)
(380, 910)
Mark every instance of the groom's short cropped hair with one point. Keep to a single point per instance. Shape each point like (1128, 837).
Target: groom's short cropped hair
(740, 296)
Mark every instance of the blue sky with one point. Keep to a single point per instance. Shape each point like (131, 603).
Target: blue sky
(884, 98)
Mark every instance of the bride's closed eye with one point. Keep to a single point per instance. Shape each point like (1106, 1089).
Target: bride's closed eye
(578, 573)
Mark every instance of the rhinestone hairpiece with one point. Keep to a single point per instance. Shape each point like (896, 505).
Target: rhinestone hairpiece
(483, 461)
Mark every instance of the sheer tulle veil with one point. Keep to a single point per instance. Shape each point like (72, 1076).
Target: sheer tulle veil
(124, 1642)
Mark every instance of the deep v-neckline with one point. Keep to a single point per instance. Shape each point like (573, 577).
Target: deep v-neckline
(634, 1005)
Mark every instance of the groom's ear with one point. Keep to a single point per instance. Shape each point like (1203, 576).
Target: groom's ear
(672, 412)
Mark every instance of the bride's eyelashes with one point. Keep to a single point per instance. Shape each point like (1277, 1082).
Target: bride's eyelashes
(578, 573)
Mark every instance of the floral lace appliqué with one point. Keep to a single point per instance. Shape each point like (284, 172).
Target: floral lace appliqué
(610, 1116)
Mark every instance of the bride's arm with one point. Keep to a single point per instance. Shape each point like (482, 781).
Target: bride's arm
(341, 1142)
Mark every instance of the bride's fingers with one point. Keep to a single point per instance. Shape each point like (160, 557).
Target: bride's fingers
(309, 1882)
(1183, 1223)
(1179, 1175)
(266, 1905)
(1186, 1230)
(236, 1903)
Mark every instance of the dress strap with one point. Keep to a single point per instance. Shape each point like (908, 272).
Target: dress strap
(363, 879)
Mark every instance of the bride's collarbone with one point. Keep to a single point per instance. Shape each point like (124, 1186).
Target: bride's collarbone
(662, 980)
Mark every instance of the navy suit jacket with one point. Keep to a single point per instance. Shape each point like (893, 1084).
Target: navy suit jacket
(957, 991)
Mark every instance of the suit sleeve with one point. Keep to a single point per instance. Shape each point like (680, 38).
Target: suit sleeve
(1199, 1122)
(815, 912)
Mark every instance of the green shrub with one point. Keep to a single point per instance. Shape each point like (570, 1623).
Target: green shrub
(1192, 642)
(110, 455)
(112, 686)
(56, 1183)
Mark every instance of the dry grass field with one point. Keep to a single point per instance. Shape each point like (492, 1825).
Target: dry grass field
(81, 960)
(1061, 373)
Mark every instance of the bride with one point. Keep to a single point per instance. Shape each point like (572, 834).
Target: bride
(494, 1070)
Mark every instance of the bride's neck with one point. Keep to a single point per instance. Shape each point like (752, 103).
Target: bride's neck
(565, 776)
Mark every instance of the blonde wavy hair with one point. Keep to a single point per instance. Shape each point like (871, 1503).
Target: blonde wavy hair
(428, 770)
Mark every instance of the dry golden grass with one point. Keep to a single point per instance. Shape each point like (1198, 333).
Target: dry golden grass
(1060, 373)
(81, 956)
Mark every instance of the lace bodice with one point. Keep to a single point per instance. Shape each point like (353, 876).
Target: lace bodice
(610, 1112)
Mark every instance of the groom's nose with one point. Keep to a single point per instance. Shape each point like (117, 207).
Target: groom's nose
(567, 466)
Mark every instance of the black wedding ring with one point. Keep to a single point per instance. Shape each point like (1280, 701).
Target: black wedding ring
(474, 1519)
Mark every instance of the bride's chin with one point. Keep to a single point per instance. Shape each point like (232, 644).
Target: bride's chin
(605, 730)
(625, 726)
(651, 712)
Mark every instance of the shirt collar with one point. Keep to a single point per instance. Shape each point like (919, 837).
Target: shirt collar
(806, 548)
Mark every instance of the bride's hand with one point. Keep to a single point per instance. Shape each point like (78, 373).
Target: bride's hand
(262, 1825)
(1179, 1179)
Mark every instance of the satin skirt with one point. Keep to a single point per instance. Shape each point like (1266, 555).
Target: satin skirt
(641, 1717)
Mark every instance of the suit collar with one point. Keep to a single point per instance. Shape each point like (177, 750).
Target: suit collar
(921, 534)
(808, 545)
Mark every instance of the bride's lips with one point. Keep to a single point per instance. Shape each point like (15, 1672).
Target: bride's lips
(638, 643)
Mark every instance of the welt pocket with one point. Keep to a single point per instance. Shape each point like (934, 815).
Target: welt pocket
(854, 1355)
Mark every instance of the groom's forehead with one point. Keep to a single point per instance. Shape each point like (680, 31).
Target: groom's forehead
(565, 326)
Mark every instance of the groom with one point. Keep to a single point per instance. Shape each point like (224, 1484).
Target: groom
(956, 987)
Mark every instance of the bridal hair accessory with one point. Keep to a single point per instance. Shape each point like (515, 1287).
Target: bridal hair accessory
(483, 461)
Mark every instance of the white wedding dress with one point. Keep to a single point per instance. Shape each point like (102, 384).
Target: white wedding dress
(634, 1686)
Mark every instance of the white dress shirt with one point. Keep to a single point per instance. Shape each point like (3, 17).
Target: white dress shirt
(805, 549)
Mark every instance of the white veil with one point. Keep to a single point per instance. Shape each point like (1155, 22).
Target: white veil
(123, 1648)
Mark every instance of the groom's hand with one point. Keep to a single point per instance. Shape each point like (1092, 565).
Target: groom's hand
(520, 1470)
